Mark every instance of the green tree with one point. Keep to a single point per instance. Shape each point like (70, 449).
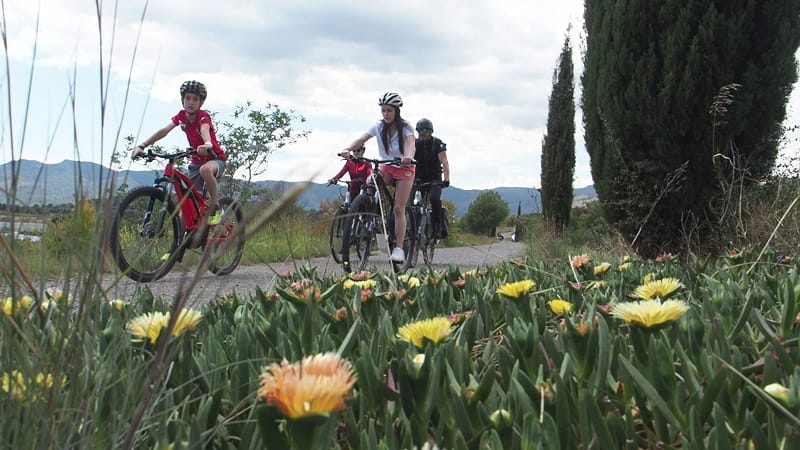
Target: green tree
(679, 98)
(485, 213)
(558, 145)
(251, 138)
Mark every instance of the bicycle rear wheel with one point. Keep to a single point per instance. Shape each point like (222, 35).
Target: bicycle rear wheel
(336, 234)
(409, 241)
(145, 233)
(226, 239)
(358, 231)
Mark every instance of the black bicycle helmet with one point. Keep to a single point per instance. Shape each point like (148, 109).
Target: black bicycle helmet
(194, 87)
(391, 98)
(424, 124)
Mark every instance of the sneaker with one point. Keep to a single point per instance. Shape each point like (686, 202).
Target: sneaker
(398, 255)
(346, 266)
(215, 215)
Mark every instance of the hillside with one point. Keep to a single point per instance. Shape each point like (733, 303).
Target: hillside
(57, 183)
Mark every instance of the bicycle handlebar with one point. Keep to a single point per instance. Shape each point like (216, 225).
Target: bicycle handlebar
(375, 162)
(149, 155)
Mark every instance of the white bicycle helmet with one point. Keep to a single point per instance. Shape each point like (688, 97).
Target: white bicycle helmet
(391, 98)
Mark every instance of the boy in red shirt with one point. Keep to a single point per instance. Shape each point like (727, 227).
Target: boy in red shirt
(208, 162)
(358, 171)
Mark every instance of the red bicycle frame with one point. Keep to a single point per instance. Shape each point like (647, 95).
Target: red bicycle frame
(191, 201)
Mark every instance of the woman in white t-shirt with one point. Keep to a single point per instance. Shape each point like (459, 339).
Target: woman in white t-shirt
(395, 140)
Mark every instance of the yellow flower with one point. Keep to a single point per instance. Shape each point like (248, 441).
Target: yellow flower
(648, 278)
(150, 325)
(435, 330)
(116, 303)
(12, 307)
(560, 307)
(409, 280)
(363, 284)
(187, 320)
(317, 385)
(580, 261)
(601, 268)
(650, 314)
(516, 289)
(657, 288)
(16, 386)
(624, 266)
(13, 384)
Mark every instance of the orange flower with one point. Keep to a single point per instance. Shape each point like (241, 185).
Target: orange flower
(317, 385)
(459, 282)
(580, 261)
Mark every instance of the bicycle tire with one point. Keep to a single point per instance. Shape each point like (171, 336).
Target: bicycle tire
(226, 242)
(355, 228)
(422, 236)
(336, 234)
(143, 250)
(409, 241)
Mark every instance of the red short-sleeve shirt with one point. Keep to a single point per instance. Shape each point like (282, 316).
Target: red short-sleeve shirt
(192, 130)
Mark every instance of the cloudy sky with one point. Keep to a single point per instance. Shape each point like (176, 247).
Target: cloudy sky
(480, 70)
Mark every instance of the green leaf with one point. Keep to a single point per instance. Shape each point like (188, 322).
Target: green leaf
(650, 392)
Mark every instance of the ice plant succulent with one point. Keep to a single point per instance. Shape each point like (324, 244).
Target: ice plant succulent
(560, 307)
(580, 260)
(601, 268)
(317, 385)
(149, 326)
(12, 306)
(650, 314)
(657, 288)
(516, 289)
(435, 330)
(363, 284)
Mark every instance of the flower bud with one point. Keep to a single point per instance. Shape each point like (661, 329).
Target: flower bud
(501, 419)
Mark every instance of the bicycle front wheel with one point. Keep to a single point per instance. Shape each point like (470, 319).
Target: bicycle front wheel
(145, 234)
(336, 234)
(226, 239)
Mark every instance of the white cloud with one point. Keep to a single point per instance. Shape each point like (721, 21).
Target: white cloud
(482, 72)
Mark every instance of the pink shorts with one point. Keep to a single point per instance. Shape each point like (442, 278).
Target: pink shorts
(399, 173)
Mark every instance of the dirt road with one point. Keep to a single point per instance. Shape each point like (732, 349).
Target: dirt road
(245, 279)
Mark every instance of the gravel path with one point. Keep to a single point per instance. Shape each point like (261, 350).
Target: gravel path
(245, 279)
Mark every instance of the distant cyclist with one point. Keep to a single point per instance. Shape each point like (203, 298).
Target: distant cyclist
(358, 171)
(395, 140)
(208, 162)
(432, 164)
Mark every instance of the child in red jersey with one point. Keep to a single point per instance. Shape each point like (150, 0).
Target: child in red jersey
(358, 172)
(208, 162)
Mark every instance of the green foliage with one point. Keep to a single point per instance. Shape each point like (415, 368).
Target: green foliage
(510, 373)
(678, 98)
(251, 137)
(485, 213)
(71, 234)
(558, 146)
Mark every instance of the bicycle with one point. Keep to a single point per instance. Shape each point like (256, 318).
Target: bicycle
(153, 226)
(426, 240)
(371, 214)
(336, 232)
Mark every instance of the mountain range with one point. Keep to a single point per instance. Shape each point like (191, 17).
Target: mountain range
(55, 184)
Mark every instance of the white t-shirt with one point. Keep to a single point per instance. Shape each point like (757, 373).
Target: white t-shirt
(394, 150)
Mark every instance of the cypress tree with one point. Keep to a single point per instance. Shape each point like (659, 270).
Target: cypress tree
(679, 96)
(558, 145)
